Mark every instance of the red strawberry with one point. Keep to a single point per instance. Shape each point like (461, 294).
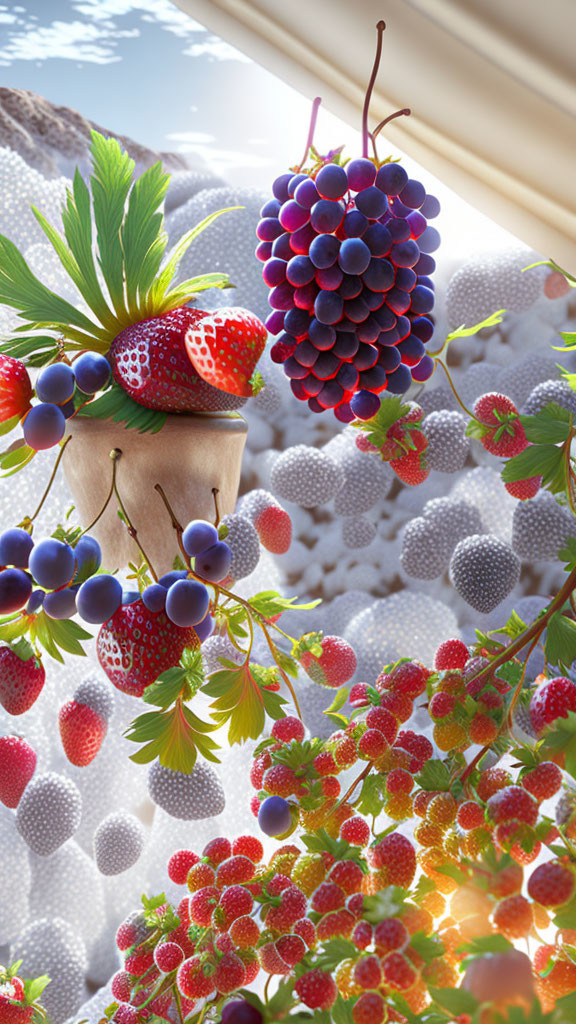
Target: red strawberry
(82, 731)
(274, 528)
(523, 490)
(15, 389)
(224, 348)
(17, 764)
(411, 466)
(13, 1009)
(136, 645)
(335, 666)
(500, 428)
(553, 699)
(398, 435)
(22, 677)
(316, 989)
(149, 360)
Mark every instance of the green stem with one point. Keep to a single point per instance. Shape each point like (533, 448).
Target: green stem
(114, 455)
(453, 386)
(30, 519)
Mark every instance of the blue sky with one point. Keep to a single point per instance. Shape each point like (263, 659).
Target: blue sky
(145, 69)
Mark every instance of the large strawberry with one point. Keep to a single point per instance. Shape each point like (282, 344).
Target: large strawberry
(224, 348)
(136, 645)
(22, 677)
(15, 389)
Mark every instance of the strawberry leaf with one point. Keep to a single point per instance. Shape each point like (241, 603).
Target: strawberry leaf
(434, 775)
(174, 736)
(372, 795)
(428, 947)
(241, 701)
(389, 902)
(551, 425)
(58, 634)
(560, 646)
(34, 987)
(268, 604)
(116, 405)
(456, 1000)
(561, 738)
(545, 460)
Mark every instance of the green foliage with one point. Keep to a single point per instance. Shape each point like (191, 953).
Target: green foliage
(334, 951)
(560, 646)
(115, 404)
(34, 987)
(561, 738)
(551, 425)
(467, 332)
(545, 460)
(428, 947)
(268, 603)
(37, 350)
(321, 842)
(57, 635)
(372, 795)
(242, 701)
(392, 408)
(485, 944)
(435, 775)
(16, 457)
(175, 736)
(386, 903)
(455, 1000)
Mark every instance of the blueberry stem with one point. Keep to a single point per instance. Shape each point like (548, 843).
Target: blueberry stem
(311, 130)
(27, 522)
(115, 455)
(365, 134)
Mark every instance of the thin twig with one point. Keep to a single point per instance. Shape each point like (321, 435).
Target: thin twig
(365, 134)
(312, 128)
(405, 112)
(114, 455)
(30, 519)
(456, 395)
(215, 493)
(129, 524)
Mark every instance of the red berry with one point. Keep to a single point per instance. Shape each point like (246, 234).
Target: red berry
(411, 466)
(384, 721)
(399, 781)
(390, 934)
(235, 871)
(512, 804)
(325, 764)
(552, 884)
(191, 979)
(398, 704)
(358, 696)
(398, 972)
(288, 729)
(491, 781)
(503, 433)
(248, 846)
(291, 948)
(229, 975)
(328, 896)
(335, 666)
(179, 865)
(274, 528)
(523, 490)
(235, 902)
(138, 962)
(259, 766)
(244, 932)
(470, 815)
(330, 786)
(17, 765)
(355, 831)
(368, 972)
(451, 654)
(418, 746)
(441, 706)
(395, 856)
(363, 935)
(551, 700)
(202, 904)
(306, 930)
(121, 986)
(371, 745)
(82, 731)
(369, 1008)
(348, 875)
(316, 989)
(217, 850)
(543, 781)
(280, 780)
(168, 956)
(410, 678)
(293, 907)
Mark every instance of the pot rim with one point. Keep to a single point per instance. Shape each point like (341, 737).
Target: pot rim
(227, 421)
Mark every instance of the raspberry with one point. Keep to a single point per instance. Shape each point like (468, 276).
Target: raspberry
(330, 786)
(338, 924)
(441, 705)
(513, 917)
(371, 745)
(288, 729)
(335, 666)
(235, 871)
(309, 872)
(138, 963)
(271, 961)
(421, 801)
(384, 721)
(397, 972)
(248, 846)
(507, 881)
(442, 810)
(184, 911)
(451, 682)
(235, 902)
(398, 704)
(390, 935)
(369, 1008)
(419, 746)
(355, 831)
(291, 948)
(179, 865)
(291, 909)
(229, 975)
(519, 840)
(347, 875)
(306, 930)
(202, 904)
(523, 490)
(168, 956)
(355, 904)
(255, 804)
(199, 876)
(551, 884)
(278, 883)
(470, 815)
(367, 972)
(512, 804)
(451, 654)
(121, 986)
(449, 735)
(280, 780)
(394, 855)
(327, 897)
(398, 807)
(274, 528)
(362, 935)
(345, 752)
(410, 678)
(244, 932)
(543, 781)
(491, 781)
(259, 766)
(551, 700)
(325, 764)
(249, 958)
(427, 834)
(217, 850)
(399, 781)
(316, 989)
(482, 730)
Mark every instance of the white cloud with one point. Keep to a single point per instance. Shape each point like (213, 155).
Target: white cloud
(216, 49)
(73, 40)
(219, 160)
(164, 12)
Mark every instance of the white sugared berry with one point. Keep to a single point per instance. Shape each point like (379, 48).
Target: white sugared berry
(49, 812)
(448, 445)
(188, 797)
(118, 843)
(484, 570)
(306, 476)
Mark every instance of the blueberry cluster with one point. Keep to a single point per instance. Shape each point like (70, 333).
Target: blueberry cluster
(63, 580)
(346, 253)
(45, 423)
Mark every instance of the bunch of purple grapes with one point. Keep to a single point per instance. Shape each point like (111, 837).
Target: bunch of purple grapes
(44, 425)
(347, 258)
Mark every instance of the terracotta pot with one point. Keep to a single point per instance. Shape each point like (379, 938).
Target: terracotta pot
(188, 457)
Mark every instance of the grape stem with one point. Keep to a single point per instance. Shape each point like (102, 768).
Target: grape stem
(365, 133)
(311, 130)
(215, 493)
(405, 112)
(251, 612)
(114, 458)
(30, 519)
(115, 455)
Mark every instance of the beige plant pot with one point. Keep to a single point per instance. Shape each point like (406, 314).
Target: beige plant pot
(188, 457)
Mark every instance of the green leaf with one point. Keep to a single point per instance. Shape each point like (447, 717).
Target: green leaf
(341, 1011)
(110, 181)
(514, 627)
(455, 1000)
(545, 460)
(162, 283)
(386, 903)
(239, 702)
(553, 266)
(428, 947)
(174, 736)
(116, 405)
(467, 332)
(143, 240)
(166, 689)
(334, 951)
(16, 458)
(486, 944)
(549, 426)
(58, 634)
(36, 350)
(392, 408)
(560, 646)
(453, 872)
(34, 987)
(372, 796)
(434, 775)
(566, 916)
(268, 604)
(340, 698)
(561, 737)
